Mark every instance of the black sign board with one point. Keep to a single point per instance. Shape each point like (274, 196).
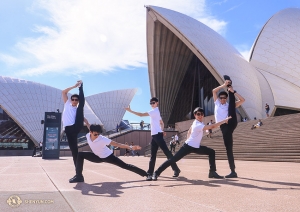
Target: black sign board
(51, 138)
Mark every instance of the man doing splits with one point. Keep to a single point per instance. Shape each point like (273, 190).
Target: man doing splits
(192, 144)
(224, 109)
(101, 153)
(157, 133)
(72, 117)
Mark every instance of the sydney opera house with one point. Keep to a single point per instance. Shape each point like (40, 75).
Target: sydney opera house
(23, 105)
(187, 59)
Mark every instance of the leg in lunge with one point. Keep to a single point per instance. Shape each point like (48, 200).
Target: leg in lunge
(101, 153)
(192, 144)
(224, 109)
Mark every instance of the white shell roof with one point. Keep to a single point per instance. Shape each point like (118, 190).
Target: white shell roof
(276, 54)
(26, 103)
(215, 52)
(109, 106)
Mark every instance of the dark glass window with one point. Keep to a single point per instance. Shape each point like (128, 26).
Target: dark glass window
(12, 137)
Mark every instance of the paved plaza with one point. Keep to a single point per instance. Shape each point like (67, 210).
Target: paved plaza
(34, 184)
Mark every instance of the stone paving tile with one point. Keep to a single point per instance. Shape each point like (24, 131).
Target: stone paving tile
(261, 186)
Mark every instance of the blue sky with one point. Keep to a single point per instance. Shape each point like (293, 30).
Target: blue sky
(104, 42)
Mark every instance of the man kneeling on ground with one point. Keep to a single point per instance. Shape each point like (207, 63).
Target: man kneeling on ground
(101, 153)
(192, 144)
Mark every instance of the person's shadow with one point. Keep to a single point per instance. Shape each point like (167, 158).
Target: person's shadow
(106, 189)
(188, 182)
(235, 182)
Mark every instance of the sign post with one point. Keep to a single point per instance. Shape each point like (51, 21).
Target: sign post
(51, 138)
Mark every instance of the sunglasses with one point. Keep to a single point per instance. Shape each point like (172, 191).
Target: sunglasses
(152, 103)
(199, 114)
(75, 100)
(96, 134)
(223, 97)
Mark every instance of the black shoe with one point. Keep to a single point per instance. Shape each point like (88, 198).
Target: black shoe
(154, 176)
(213, 174)
(233, 174)
(149, 177)
(176, 173)
(226, 77)
(76, 179)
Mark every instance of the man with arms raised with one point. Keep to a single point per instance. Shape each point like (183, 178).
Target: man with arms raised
(72, 116)
(224, 109)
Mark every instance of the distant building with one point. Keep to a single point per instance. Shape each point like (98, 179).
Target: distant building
(24, 103)
(187, 59)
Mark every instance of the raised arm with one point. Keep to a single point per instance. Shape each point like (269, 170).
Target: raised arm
(208, 127)
(240, 100)
(124, 146)
(66, 91)
(216, 90)
(136, 113)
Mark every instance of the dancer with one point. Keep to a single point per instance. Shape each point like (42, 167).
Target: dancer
(72, 116)
(224, 109)
(157, 133)
(101, 153)
(192, 145)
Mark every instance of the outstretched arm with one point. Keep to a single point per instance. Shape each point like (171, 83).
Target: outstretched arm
(66, 91)
(136, 113)
(124, 146)
(216, 90)
(208, 127)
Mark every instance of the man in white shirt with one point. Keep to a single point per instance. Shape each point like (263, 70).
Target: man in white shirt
(157, 133)
(73, 117)
(192, 144)
(101, 153)
(224, 109)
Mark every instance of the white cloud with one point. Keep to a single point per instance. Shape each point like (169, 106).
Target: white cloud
(245, 50)
(95, 36)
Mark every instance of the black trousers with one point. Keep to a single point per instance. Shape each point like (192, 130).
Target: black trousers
(172, 147)
(110, 159)
(185, 150)
(73, 130)
(227, 131)
(158, 141)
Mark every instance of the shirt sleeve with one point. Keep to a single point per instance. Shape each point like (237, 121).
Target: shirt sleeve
(151, 112)
(217, 102)
(105, 140)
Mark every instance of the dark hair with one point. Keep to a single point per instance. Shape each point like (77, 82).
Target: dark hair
(96, 128)
(223, 93)
(75, 95)
(198, 109)
(154, 99)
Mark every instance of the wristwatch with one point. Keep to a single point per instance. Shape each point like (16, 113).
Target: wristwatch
(234, 91)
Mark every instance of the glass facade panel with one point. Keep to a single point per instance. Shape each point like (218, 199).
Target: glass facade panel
(12, 137)
(195, 91)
